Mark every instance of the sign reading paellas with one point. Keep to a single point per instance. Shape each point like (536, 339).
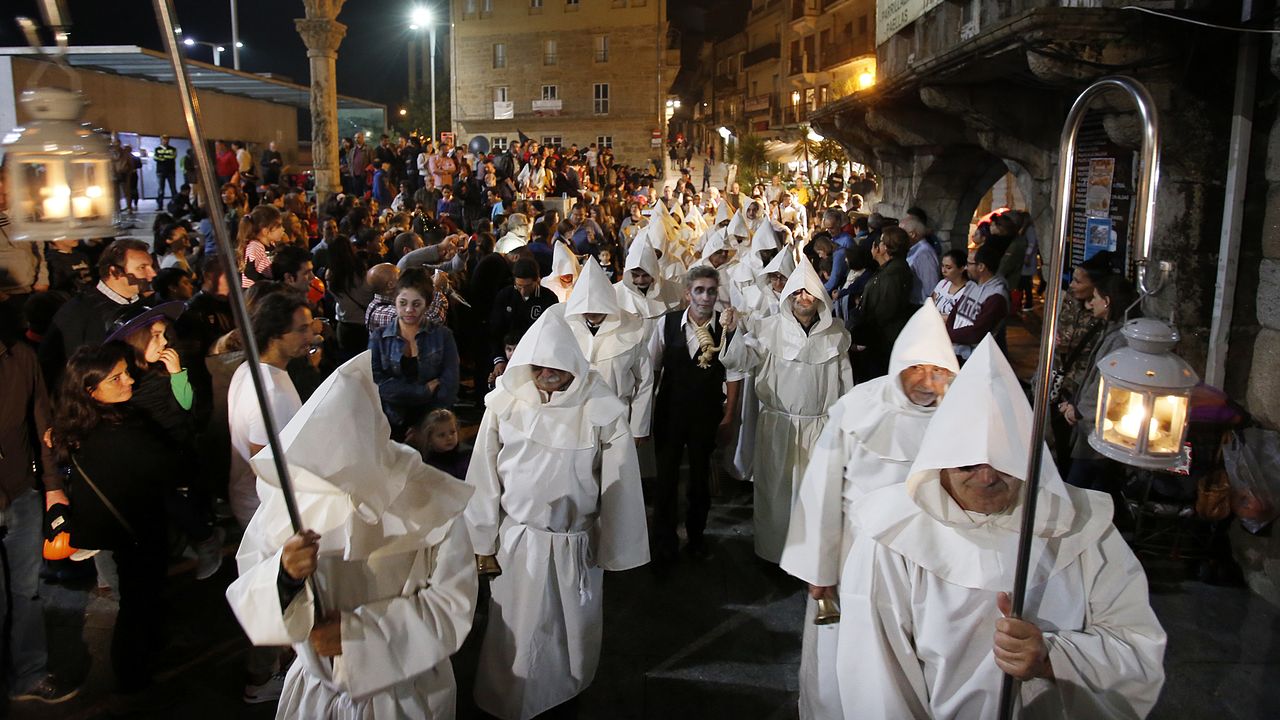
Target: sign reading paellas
(893, 15)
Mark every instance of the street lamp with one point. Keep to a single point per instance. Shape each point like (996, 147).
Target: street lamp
(420, 17)
(218, 48)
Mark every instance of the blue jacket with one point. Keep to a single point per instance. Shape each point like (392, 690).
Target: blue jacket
(437, 359)
(839, 262)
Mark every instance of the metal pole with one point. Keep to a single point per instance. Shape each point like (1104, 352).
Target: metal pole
(217, 56)
(413, 74)
(226, 251)
(235, 36)
(1143, 227)
(431, 32)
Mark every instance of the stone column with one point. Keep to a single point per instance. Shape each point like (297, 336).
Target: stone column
(322, 33)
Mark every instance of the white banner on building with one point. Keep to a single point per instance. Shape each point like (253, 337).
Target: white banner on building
(504, 110)
(893, 15)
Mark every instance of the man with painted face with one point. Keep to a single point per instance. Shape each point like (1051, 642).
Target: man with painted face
(798, 359)
(924, 591)
(557, 502)
(871, 437)
(695, 408)
(614, 343)
(126, 270)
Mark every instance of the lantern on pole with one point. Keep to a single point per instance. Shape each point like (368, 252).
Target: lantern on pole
(1143, 398)
(59, 172)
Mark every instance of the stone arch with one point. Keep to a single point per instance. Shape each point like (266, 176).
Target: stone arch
(952, 185)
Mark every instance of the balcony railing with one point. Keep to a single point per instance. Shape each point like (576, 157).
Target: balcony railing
(770, 51)
(724, 82)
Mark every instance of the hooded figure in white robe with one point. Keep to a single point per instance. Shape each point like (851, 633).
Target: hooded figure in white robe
(563, 264)
(558, 501)
(617, 347)
(784, 263)
(661, 296)
(746, 291)
(920, 589)
(394, 560)
(798, 374)
(871, 437)
(670, 265)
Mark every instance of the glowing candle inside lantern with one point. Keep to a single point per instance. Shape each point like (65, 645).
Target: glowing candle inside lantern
(58, 205)
(81, 206)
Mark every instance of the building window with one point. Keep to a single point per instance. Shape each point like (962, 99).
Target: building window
(604, 141)
(469, 7)
(570, 4)
(535, 4)
(600, 98)
(501, 94)
(602, 48)
(499, 55)
(637, 3)
(550, 92)
(549, 52)
(498, 144)
(486, 6)
(552, 140)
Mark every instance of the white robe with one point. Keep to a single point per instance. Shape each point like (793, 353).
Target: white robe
(403, 616)
(872, 435)
(558, 500)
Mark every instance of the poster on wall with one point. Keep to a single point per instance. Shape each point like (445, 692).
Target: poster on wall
(1098, 236)
(1102, 196)
(1097, 199)
(893, 15)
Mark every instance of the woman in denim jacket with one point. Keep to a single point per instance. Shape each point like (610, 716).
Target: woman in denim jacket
(415, 362)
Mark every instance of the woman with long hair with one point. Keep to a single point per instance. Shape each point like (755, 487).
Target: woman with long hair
(121, 469)
(260, 231)
(415, 362)
(345, 278)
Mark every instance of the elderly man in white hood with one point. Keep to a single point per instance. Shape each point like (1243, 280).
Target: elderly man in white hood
(871, 437)
(799, 362)
(391, 555)
(616, 344)
(924, 587)
(558, 501)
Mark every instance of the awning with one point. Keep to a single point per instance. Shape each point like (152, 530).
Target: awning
(139, 62)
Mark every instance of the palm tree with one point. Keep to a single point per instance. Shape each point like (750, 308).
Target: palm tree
(828, 153)
(751, 157)
(807, 148)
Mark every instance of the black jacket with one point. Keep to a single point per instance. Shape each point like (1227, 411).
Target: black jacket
(513, 313)
(85, 319)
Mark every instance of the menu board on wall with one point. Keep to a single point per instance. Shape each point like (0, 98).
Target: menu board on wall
(1102, 195)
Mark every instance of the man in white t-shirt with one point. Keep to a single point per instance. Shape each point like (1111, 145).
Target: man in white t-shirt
(282, 329)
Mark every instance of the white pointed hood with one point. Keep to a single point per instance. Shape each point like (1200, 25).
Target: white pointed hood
(366, 495)
(717, 242)
(723, 212)
(569, 418)
(765, 238)
(738, 226)
(592, 293)
(563, 262)
(663, 294)
(786, 337)
(784, 263)
(986, 419)
(889, 423)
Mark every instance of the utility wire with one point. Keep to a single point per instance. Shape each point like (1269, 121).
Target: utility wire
(1171, 16)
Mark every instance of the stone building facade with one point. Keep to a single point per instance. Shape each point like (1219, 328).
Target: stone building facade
(565, 71)
(967, 92)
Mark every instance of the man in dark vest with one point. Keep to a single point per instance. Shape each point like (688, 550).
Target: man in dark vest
(166, 158)
(696, 405)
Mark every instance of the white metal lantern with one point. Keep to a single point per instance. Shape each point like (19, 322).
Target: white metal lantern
(1143, 398)
(59, 173)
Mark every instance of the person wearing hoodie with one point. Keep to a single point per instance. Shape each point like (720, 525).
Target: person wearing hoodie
(564, 272)
(798, 360)
(557, 502)
(985, 307)
(928, 572)
(615, 343)
(871, 436)
(386, 540)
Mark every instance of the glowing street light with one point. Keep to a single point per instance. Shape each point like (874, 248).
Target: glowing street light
(866, 80)
(403, 112)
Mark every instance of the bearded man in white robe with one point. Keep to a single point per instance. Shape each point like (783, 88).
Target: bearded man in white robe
(390, 553)
(615, 343)
(799, 362)
(871, 437)
(643, 291)
(558, 501)
(924, 598)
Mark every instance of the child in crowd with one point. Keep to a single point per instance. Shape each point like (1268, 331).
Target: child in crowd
(436, 438)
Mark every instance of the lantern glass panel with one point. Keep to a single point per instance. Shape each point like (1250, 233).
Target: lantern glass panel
(1121, 414)
(1168, 423)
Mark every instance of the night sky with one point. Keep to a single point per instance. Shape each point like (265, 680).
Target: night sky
(373, 58)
